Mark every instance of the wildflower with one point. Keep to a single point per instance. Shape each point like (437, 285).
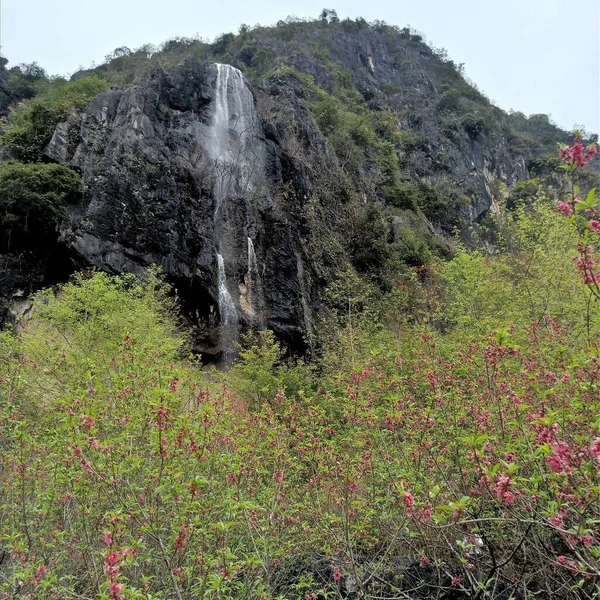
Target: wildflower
(565, 208)
(39, 574)
(594, 226)
(596, 448)
(337, 575)
(456, 581)
(108, 538)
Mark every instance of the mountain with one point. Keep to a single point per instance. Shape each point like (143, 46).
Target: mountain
(259, 170)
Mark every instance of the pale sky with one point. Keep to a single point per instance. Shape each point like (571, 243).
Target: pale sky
(536, 56)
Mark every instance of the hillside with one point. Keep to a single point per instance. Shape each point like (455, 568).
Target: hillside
(374, 148)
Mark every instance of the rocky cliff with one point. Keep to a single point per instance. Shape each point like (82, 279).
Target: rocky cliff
(178, 172)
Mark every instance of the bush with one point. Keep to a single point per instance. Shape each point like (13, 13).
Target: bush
(33, 198)
(32, 123)
(25, 81)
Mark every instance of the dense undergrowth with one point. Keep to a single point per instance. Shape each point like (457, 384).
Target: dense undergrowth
(446, 443)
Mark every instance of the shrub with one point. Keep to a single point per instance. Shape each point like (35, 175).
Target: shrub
(33, 198)
(32, 123)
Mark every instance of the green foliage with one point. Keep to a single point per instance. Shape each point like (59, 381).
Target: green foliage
(256, 369)
(222, 43)
(32, 123)
(25, 81)
(533, 276)
(92, 314)
(33, 198)
(412, 195)
(368, 241)
(261, 376)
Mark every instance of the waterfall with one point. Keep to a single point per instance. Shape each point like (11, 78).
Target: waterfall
(254, 285)
(227, 308)
(252, 264)
(232, 145)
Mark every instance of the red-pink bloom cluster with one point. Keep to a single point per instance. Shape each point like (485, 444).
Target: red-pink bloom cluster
(587, 265)
(578, 154)
(561, 460)
(594, 226)
(39, 574)
(565, 208)
(112, 567)
(501, 491)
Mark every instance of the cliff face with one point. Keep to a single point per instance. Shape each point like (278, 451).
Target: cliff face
(246, 194)
(177, 171)
(460, 142)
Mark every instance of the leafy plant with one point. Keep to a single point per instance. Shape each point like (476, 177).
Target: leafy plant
(33, 198)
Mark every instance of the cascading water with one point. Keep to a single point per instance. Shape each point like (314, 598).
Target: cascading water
(233, 145)
(236, 152)
(227, 307)
(254, 285)
(252, 263)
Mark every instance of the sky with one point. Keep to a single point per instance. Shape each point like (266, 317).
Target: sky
(535, 56)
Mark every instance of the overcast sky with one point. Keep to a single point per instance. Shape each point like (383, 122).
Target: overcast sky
(536, 56)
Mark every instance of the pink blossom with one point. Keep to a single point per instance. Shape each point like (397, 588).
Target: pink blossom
(594, 226)
(595, 449)
(108, 538)
(565, 208)
(456, 581)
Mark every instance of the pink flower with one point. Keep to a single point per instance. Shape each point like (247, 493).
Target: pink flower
(108, 538)
(425, 560)
(409, 500)
(591, 151)
(587, 540)
(39, 574)
(565, 208)
(456, 581)
(594, 226)
(115, 589)
(337, 575)
(509, 498)
(595, 449)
